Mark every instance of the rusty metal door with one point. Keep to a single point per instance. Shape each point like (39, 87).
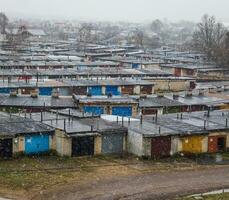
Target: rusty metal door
(160, 147)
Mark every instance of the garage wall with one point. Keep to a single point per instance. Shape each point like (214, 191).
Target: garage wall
(147, 147)
(98, 145)
(63, 144)
(134, 143)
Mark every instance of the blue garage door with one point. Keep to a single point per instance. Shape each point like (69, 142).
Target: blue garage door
(112, 90)
(122, 111)
(36, 144)
(96, 110)
(46, 91)
(95, 90)
(135, 65)
(5, 90)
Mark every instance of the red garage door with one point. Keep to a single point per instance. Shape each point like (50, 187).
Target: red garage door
(161, 147)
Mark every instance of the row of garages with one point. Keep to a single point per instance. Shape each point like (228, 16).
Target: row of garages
(113, 143)
(165, 146)
(64, 144)
(83, 90)
(164, 137)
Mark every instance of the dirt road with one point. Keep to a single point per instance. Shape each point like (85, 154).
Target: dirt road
(158, 185)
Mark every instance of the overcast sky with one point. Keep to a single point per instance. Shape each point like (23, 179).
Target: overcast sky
(130, 10)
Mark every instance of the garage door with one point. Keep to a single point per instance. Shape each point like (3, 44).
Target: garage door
(113, 90)
(160, 147)
(36, 144)
(112, 143)
(125, 111)
(82, 146)
(192, 144)
(96, 110)
(95, 90)
(5, 90)
(46, 91)
(6, 148)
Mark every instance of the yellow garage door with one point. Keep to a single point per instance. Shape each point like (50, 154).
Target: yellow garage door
(192, 144)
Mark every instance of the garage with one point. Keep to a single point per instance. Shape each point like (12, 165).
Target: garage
(45, 91)
(5, 90)
(82, 146)
(95, 110)
(216, 144)
(146, 89)
(192, 144)
(36, 144)
(6, 147)
(112, 143)
(112, 90)
(95, 90)
(128, 89)
(160, 147)
(125, 111)
(79, 90)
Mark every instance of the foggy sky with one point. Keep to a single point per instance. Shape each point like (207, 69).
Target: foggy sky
(126, 10)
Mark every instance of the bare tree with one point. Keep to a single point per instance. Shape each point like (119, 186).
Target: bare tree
(3, 23)
(209, 36)
(84, 35)
(136, 37)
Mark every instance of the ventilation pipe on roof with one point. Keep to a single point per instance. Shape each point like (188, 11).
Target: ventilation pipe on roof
(204, 124)
(156, 117)
(226, 122)
(181, 115)
(56, 115)
(122, 120)
(64, 124)
(69, 114)
(141, 118)
(129, 121)
(91, 128)
(208, 114)
(41, 116)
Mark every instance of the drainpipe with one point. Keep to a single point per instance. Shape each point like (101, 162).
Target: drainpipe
(204, 124)
(226, 122)
(159, 130)
(129, 121)
(122, 120)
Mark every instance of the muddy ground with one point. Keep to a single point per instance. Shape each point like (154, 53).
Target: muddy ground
(107, 178)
